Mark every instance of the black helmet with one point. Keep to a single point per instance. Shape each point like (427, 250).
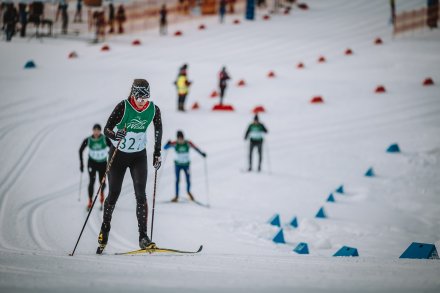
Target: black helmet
(97, 126)
(179, 134)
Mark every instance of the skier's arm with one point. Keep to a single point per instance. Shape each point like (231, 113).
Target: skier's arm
(81, 150)
(197, 149)
(264, 128)
(115, 118)
(157, 121)
(247, 133)
(169, 144)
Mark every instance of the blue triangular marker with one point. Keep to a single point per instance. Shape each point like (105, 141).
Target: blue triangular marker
(340, 189)
(347, 251)
(302, 248)
(331, 198)
(294, 222)
(420, 251)
(321, 213)
(394, 148)
(30, 64)
(370, 173)
(279, 238)
(275, 220)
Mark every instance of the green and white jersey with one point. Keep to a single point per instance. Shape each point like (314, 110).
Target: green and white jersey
(182, 154)
(136, 123)
(98, 150)
(256, 132)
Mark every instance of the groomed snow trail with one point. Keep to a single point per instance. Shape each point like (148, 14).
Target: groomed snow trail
(45, 114)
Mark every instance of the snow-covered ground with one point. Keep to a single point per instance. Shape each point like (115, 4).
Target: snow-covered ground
(310, 151)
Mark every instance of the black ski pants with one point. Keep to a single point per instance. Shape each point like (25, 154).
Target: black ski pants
(259, 145)
(94, 167)
(137, 163)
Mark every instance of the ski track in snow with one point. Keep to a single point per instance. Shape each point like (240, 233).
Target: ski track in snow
(41, 218)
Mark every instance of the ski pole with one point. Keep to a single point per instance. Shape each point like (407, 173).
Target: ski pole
(97, 193)
(154, 204)
(80, 185)
(207, 181)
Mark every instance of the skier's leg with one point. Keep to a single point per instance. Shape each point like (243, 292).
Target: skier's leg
(260, 154)
(251, 148)
(92, 176)
(177, 170)
(101, 171)
(115, 179)
(138, 171)
(188, 181)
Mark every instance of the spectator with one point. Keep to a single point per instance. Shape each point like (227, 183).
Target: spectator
(78, 12)
(121, 18)
(111, 18)
(64, 17)
(22, 16)
(231, 6)
(393, 11)
(10, 18)
(163, 20)
(222, 10)
(432, 13)
(99, 20)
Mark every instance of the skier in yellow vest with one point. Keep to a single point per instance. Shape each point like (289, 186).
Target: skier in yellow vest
(182, 84)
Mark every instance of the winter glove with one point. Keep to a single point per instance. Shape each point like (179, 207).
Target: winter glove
(120, 134)
(156, 160)
(204, 155)
(81, 167)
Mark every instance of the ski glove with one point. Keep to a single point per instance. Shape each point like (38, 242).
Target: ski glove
(204, 155)
(81, 167)
(156, 160)
(120, 134)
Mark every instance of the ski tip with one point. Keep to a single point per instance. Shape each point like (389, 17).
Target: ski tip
(200, 248)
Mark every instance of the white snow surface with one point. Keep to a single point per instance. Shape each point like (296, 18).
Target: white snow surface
(310, 150)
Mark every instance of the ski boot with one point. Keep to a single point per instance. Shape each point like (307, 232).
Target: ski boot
(145, 242)
(175, 199)
(103, 238)
(191, 197)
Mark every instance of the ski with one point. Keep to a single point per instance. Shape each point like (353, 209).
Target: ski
(159, 250)
(200, 203)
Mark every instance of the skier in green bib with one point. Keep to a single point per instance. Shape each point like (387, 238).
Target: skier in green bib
(182, 161)
(255, 132)
(128, 124)
(98, 146)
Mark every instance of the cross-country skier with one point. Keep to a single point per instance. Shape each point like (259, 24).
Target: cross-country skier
(98, 146)
(128, 124)
(255, 132)
(223, 82)
(182, 161)
(182, 84)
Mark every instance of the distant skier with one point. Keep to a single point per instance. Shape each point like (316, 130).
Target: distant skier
(222, 10)
(255, 132)
(98, 146)
(182, 84)
(223, 79)
(182, 161)
(128, 124)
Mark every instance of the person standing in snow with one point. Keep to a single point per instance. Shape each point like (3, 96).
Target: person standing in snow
(163, 23)
(98, 146)
(128, 125)
(121, 18)
(111, 17)
(10, 18)
(182, 161)
(223, 79)
(182, 84)
(78, 12)
(255, 132)
(222, 10)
